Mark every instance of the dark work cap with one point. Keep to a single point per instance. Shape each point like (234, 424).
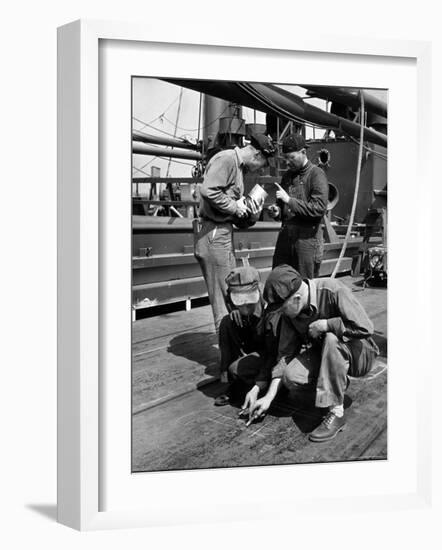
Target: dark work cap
(243, 285)
(282, 282)
(293, 142)
(263, 143)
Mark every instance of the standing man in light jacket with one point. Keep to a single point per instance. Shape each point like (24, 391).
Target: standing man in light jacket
(223, 205)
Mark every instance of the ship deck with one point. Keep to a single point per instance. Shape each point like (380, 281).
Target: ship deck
(176, 426)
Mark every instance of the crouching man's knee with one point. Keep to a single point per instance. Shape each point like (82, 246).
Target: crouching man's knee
(296, 375)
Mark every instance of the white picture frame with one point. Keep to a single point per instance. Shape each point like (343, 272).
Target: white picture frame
(80, 361)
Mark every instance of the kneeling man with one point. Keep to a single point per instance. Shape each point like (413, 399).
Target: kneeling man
(248, 345)
(325, 335)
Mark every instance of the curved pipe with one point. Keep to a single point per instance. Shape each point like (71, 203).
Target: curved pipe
(349, 97)
(271, 99)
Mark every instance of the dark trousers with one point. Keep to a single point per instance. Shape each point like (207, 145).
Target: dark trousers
(214, 252)
(241, 355)
(302, 247)
(326, 366)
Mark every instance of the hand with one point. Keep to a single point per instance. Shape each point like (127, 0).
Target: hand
(250, 399)
(273, 211)
(281, 194)
(259, 409)
(235, 315)
(256, 206)
(241, 208)
(317, 328)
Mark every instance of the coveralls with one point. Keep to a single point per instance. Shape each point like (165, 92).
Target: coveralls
(248, 353)
(300, 241)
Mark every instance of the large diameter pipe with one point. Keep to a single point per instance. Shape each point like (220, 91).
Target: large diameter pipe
(288, 104)
(160, 140)
(271, 99)
(145, 149)
(349, 97)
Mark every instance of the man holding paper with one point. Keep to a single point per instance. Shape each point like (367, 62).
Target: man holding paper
(222, 206)
(301, 204)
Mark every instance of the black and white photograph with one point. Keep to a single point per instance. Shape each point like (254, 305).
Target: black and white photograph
(259, 274)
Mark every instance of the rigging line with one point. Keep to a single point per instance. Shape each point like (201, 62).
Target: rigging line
(177, 161)
(372, 151)
(154, 127)
(162, 158)
(142, 171)
(202, 127)
(162, 113)
(176, 124)
(144, 165)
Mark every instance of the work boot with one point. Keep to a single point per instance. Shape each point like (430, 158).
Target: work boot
(328, 429)
(231, 394)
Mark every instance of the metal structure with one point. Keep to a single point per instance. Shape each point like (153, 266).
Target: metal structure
(164, 268)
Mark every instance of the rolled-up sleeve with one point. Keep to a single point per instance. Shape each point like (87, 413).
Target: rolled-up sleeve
(316, 205)
(352, 321)
(218, 177)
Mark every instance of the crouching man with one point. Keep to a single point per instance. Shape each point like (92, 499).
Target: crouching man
(325, 335)
(245, 339)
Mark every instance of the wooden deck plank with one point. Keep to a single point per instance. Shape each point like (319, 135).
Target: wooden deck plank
(146, 330)
(174, 353)
(191, 433)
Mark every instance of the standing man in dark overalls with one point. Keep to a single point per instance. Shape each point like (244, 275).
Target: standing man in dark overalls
(301, 204)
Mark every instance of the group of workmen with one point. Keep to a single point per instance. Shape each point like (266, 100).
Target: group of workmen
(298, 331)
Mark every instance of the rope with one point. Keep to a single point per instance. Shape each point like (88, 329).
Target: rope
(200, 127)
(176, 126)
(162, 114)
(358, 178)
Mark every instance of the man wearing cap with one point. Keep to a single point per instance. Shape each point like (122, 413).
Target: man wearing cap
(247, 342)
(302, 202)
(223, 205)
(325, 336)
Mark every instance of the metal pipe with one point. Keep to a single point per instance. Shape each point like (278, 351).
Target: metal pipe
(271, 99)
(144, 149)
(349, 97)
(288, 104)
(162, 140)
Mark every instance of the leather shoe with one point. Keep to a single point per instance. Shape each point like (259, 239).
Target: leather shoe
(235, 391)
(328, 429)
(221, 400)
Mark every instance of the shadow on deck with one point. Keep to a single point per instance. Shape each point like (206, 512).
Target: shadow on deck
(175, 425)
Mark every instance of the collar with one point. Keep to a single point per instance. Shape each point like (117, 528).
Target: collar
(239, 157)
(305, 168)
(312, 297)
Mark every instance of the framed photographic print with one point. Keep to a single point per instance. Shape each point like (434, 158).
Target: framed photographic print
(224, 289)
